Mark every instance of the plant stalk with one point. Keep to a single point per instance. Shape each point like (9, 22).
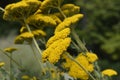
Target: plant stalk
(36, 57)
(39, 50)
(79, 42)
(11, 66)
(2, 9)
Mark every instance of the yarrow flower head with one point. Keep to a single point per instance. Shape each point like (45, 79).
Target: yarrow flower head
(10, 49)
(68, 62)
(109, 72)
(25, 77)
(54, 51)
(26, 36)
(60, 35)
(40, 21)
(77, 72)
(70, 9)
(68, 22)
(56, 45)
(48, 4)
(20, 10)
(92, 57)
(38, 33)
(74, 69)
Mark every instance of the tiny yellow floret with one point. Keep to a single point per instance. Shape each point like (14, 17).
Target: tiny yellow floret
(25, 77)
(2, 64)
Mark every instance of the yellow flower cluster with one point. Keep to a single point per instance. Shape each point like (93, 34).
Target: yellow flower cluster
(10, 50)
(91, 57)
(48, 4)
(68, 22)
(20, 10)
(38, 33)
(26, 36)
(70, 6)
(26, 77)
(60, 35)
(68, 61)
(40, 20)
(109, 72)
(85, 60)
(54, 47)
(68, 10)
(53, 52)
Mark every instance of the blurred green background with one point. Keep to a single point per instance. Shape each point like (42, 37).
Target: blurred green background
(99, 29)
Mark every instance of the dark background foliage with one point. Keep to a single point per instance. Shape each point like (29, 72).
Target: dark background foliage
(99, 29)
(101, 25)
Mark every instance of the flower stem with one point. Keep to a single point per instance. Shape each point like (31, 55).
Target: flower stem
(79, 42)
(36, 57)
(61, 12)
(2, 9)
(34, 40)
(39, 50)
(78, 49)
(11, 66)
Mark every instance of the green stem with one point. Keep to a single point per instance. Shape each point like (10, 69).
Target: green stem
(11, 66)
(36, 57)
(61, 12)
(12, 59)
(80, 65)
(79, 42)
(49, 70)
(2, 9)
(36, 45)
(78, 49)
(34, 40)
